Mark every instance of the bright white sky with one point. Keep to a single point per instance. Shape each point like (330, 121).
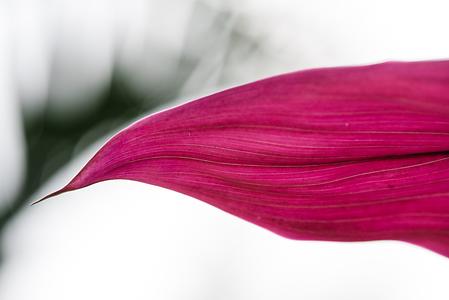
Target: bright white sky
(124, 240)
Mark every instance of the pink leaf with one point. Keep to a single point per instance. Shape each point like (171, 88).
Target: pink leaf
(336, 154)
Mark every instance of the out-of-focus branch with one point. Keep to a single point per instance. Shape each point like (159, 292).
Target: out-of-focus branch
(50, 145)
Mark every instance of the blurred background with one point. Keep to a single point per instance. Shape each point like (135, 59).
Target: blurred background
(74, 72)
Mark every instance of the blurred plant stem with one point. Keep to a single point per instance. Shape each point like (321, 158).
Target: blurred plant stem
(50, 145)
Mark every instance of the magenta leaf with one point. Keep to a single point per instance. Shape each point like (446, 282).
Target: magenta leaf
(336, 154)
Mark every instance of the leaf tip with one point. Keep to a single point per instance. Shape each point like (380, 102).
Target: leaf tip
(60, 191)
